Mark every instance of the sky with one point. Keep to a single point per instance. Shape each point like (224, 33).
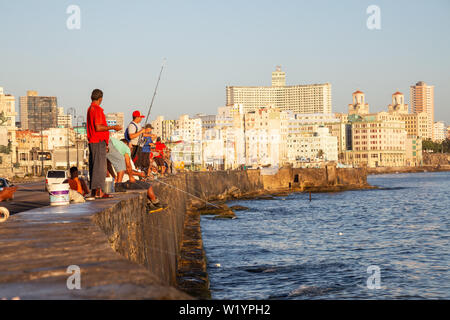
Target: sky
(208, 45)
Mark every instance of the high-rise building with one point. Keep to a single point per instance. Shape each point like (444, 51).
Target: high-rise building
(38, 113)
(313, 98)
(422, 100)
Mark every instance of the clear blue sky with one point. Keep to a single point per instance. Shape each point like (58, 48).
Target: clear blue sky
(212, 44)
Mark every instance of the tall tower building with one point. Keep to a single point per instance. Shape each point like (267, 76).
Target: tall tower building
(422, 100)
(38, 113)
(278, 78)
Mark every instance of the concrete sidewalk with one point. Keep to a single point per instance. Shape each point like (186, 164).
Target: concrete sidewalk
(37, 246)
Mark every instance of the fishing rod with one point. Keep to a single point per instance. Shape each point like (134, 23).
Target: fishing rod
(154, 92)
(141, 137)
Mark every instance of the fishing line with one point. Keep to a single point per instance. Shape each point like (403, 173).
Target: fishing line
(157, 180)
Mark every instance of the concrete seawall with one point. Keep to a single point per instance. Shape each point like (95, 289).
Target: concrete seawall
(122, 251)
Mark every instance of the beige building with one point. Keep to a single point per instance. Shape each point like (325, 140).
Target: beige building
(413, 151)
(8, 125)
(376, 140)
(31, 147)
(422, 100)
(163, 128)
(314, 98)
(416, 124)
(439, 131)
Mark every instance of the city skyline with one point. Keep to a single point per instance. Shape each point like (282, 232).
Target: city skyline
(120, 48)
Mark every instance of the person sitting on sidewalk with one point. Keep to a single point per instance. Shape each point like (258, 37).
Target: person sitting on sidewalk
(76, 183)
(119, 155)
(79, 191)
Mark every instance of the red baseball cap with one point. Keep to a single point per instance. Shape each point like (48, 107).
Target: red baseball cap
(137, 114)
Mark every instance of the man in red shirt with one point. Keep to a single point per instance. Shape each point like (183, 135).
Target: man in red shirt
(98, 137)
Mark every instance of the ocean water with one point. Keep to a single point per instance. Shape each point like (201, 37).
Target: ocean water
(291, 248)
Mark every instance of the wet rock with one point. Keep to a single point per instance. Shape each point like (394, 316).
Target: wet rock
(265, 197)
(225, 216)
(238, 208)
(282, 194)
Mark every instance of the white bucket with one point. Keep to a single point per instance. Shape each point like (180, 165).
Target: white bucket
(59, 194)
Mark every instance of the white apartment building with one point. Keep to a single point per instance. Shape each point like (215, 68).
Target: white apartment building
(439, 131)
(188, 129)
(57, 137)
(313, 98)
(265, 132)
(63, 120)
(213, 148)
(189, 152)
(309, 124)
(312, 147)
(157, 125)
